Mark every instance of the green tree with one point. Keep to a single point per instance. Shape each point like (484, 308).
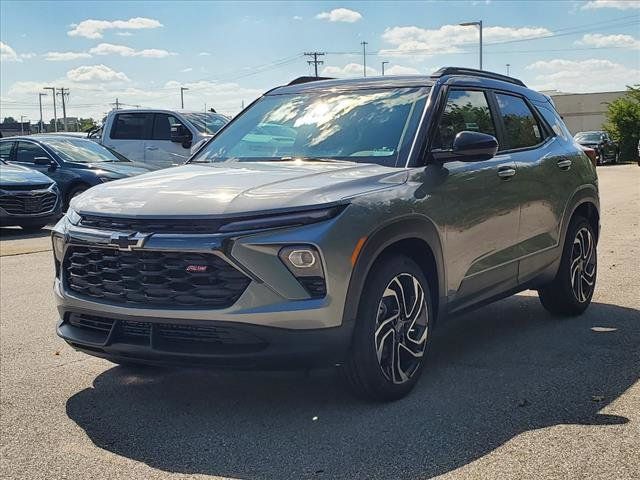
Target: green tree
(86, 124)
(623, 122)
(9, 120)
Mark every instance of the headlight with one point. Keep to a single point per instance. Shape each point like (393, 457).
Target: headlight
(72, 217)
(283, 220)
(58, 246)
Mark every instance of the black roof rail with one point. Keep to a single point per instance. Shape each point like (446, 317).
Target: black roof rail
(299, 80)
(476, 73)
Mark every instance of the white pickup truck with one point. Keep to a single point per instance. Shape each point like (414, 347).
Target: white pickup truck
(160, 138)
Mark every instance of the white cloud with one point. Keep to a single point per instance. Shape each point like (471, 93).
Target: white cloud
(185, 70)
(617, 4)
(124, 51)
(297, 17)
(582, 75)
(414, 41)
(204, 54)
(65, 56)
(95, 28)
(349, 70)
(340, 15)
(401, 70)
(124, 34)
(97, 74)
(617, 40)
(8, 54)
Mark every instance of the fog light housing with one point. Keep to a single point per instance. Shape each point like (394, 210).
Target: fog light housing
(304, 262)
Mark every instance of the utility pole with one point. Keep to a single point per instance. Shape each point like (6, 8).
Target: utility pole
(383, 64)
(55, 115)
(40, 95)
(315, 62)
(182, 89)
(62, 94)
(479, 25)
(21, 125)
(508, 65)
(364, 57)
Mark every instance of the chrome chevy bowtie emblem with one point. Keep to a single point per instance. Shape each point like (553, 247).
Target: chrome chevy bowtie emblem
(125, 241)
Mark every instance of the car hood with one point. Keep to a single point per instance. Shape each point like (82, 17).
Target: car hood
(232, 188)
(18, 175)
(118, 169)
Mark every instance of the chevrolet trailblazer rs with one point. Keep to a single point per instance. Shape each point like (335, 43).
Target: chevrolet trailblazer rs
(335, 223)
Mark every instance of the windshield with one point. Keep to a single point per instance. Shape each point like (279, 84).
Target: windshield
(207, 123)
(589, 137)
(81, 151)
(368, 126)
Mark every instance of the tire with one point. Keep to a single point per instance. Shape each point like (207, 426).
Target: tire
(74, 192)
(379, 368)
(571, 296)
(33, 228)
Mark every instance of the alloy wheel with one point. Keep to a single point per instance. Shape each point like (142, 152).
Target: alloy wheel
(401, 328)
(583, 265)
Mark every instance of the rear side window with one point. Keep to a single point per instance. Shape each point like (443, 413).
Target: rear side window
(132, 126)
(5, 150)
(522, 129)
(162, 126)
(466, 110)
(27, 152)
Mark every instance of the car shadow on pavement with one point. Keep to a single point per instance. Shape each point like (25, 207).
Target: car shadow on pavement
(505, 369)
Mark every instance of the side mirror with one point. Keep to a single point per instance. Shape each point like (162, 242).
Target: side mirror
(43, 161)
(474, 146)
(181, 134)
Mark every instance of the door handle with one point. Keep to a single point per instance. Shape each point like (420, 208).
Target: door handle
(151, 148)
(564, 164)
(505, 172)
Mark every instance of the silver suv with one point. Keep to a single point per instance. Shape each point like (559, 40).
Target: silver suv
(335, 222)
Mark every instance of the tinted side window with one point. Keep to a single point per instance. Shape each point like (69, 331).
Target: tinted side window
(27, 152)
(162, 126)
(521, 127)
(465, 110)
(5, 150)
(132, 126)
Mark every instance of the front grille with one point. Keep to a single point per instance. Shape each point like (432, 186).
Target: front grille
(153, 279)
(23, 187)
(28, 202)
(178, 225)
(184, 338)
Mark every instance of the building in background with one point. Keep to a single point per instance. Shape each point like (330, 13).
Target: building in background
(583, 112)
(11, 129)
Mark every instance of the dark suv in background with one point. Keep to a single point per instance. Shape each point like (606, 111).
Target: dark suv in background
(607, 151)
(335, 222)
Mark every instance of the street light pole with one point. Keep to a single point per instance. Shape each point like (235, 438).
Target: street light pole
(383, 64)
(40, 95)
(479, 25)
(21, 125)
(508, 65)
(182, 89)
(55, 115)
(364, 57)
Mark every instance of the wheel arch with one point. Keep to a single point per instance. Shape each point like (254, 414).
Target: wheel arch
(409, 236)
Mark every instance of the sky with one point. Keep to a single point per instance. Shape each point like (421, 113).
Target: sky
(228, 53)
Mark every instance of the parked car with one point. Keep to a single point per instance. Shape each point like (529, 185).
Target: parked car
(607, 151)
(75, 164)
(28, 198)
(402, 201)
(161, 138)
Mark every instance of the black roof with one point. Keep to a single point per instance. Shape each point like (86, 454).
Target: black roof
(449, 75)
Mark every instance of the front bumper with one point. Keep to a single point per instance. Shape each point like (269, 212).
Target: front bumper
(179, 342)
(293, 329)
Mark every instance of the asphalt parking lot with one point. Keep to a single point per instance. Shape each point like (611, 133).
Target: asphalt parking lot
(510, 392)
